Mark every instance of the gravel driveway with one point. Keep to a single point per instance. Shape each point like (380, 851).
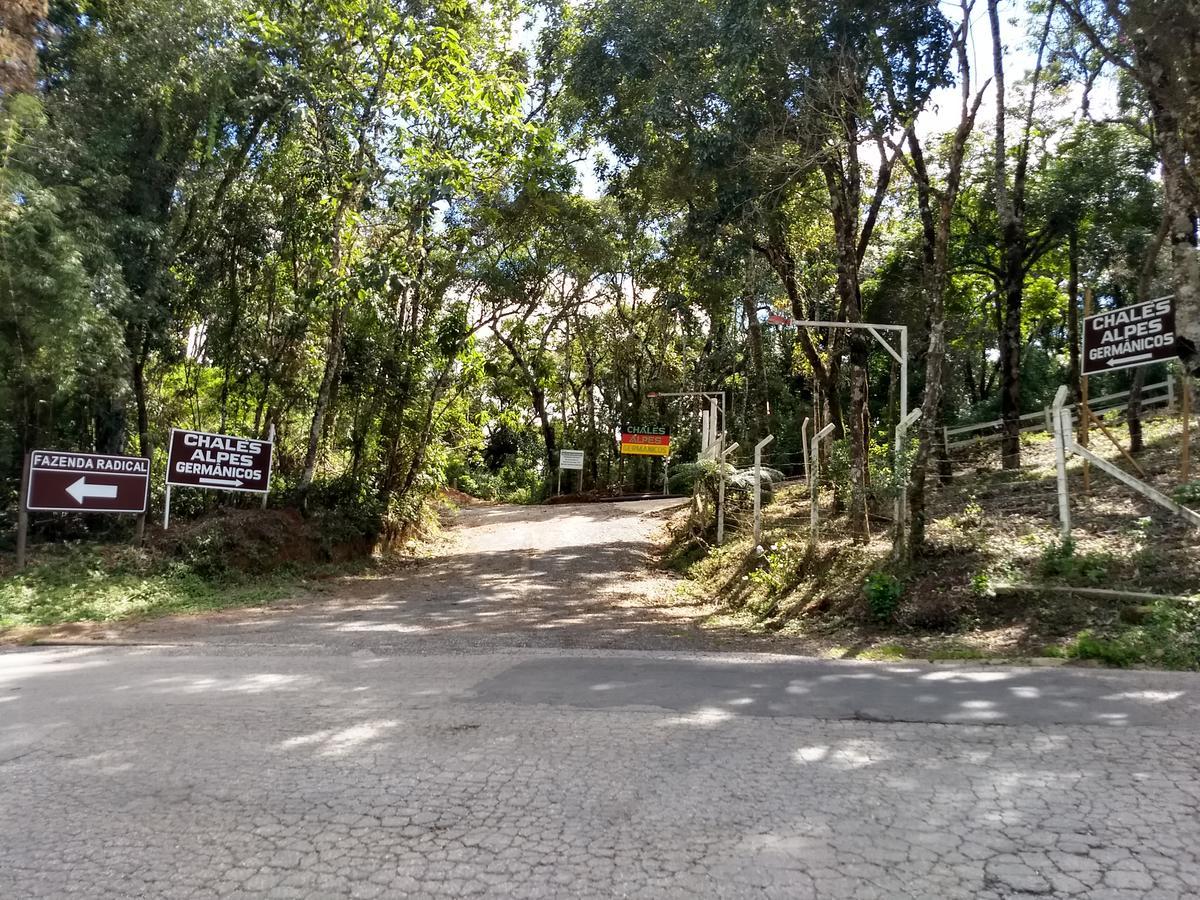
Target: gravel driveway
(502, 576)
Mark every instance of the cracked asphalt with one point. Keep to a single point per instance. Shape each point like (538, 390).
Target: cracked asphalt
(308, 755)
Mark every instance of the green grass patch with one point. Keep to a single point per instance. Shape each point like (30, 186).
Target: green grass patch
(884, 653)
(81, 584)
(1168, 638)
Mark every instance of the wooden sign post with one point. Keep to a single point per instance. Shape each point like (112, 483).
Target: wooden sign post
(1185, 405)
(1085, 412)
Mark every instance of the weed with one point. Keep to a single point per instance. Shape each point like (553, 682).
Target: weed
(100, 585)
(971, 517)
(884, 653)
(1168, 636)
(981, 586)
(781, 570)
(1188, 494)
(1088, 646)
(1060, 561)
(883, 593)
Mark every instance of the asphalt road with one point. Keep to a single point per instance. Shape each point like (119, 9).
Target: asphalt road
(307, 759)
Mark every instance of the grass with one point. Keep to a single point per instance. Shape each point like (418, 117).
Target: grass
(884, 653)
(1169, 637)
(79, 584)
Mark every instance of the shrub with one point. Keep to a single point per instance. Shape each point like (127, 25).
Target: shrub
(1188, 494)
(883, 595)
(782, 566)
(1060, 561)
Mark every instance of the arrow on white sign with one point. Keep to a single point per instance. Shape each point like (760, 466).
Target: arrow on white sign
(220, 482)
(1126, 360)
(83, 490)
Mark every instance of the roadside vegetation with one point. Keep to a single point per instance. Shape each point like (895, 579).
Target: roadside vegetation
(996, 582)
(224, 559)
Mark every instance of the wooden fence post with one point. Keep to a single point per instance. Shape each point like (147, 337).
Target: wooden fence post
(23, 514)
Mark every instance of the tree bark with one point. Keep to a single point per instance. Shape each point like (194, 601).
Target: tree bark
(1073, 337)
(936, 231)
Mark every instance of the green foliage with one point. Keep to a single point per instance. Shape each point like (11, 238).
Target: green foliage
(1169, 636)
(1188, 494)
(883, 591)
(101, 585)
(1061, 562)
(781, 568)
(981, 585)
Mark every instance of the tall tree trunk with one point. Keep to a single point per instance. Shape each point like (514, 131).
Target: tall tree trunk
(1014, 244)
(1181, 211)
(333, 360)
(756, 378)
(1073, 338)
(1133, 412)
(936, 229)
(783, 263)
(139, 399)
(1011, 276)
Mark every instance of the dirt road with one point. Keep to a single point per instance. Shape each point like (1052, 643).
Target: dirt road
(501, 576)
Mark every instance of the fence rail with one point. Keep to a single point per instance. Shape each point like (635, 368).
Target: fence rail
(1043, 420)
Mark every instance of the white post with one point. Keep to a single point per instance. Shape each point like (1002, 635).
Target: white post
(758, 448)
(901, 506)
(1062, 431)
(719, 456)
(713, 427)
(804, 444)
(721, 452)
(167, 509)
(903, 372)
(814, 485)
(704, 434)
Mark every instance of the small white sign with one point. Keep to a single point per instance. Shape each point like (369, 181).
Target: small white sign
(570, 459)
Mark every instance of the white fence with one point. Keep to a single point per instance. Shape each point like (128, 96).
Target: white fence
(1162, 392)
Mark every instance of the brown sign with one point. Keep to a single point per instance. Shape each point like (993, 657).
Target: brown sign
(219, 462)
(87, 482)
(1130, 336)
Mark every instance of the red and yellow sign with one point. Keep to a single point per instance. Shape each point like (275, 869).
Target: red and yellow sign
(642, 444)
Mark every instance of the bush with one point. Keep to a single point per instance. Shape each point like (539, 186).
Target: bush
(1060, 561)
(783, 564)
(883, 593)
(1188, 494)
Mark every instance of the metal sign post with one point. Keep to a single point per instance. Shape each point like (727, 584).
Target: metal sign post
(804, 446)
(901, 510)
(874, 328)
(571, 460)
(900, 357)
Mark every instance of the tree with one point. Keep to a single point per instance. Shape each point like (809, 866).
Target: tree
(1158, 47)
(936, 205)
